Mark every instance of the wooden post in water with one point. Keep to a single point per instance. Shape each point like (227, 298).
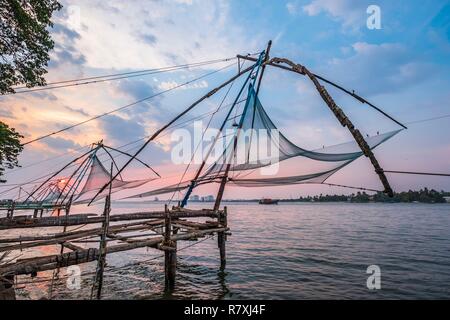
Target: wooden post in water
(102, 249)
(67, 210)
(170, 253)
(7, 291)
(10, 211)
(221, 238)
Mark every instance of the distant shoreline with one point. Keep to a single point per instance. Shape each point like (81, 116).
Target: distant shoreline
(256, 201)
(422, 196)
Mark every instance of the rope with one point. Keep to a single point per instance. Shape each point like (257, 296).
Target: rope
(349, 187)
(419, 173)
(127, 105)
(429, 119)
(117, 76)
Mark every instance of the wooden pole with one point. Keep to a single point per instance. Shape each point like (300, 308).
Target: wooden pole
(78, 219)
(62, 237)
(102, 249)
(170, 254)
(10, 212)
(7, 291)
(227, 169)
(275, 62)
(66, 259)
(221, 238)
(67, 211)
(211, 148)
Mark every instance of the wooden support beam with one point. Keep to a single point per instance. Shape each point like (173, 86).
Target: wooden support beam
(170, 256)
(102, 248)
(33, 265)
(72, 246)
(30, 222)
(221, 238)
(61, 237)
(7, 291)
(10, 211)
(271, 63)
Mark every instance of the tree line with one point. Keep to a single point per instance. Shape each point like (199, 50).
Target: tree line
(423, 195)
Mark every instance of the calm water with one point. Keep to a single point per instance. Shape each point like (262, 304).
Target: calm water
(291, 251)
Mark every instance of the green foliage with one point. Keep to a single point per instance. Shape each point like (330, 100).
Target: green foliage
(10, 148)
(423, 196)
(25, 42)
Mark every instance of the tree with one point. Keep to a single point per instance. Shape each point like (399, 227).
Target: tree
(25, 42)
(10, 148)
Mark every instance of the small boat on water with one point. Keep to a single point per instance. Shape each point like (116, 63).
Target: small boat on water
(268, 201)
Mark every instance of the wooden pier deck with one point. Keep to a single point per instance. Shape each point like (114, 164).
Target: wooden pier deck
(160, 230)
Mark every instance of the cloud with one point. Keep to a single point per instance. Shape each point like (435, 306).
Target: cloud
(65, 50)
(59, 143)
(121, 130)
(44, 95)
(6, 113)
(61, 29)
(136, 89)
(352, 13)
(166, 85)
(77, 110)
(66, 53)
(186, 2)
(292, 8)
(208, 23)
(379, 68)
(148, 38)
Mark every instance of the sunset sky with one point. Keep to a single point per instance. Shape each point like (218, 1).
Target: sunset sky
(403, 68)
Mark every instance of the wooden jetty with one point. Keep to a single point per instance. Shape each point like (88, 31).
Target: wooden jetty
(116, 234)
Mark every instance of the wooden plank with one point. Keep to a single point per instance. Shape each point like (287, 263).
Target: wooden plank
(63, 237)
(30, 222)
(32, 265)
(72, 246)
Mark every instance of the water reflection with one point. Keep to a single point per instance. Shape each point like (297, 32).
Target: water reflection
(302, 251)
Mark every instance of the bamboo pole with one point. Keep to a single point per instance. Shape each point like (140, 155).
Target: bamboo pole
(34, 265)
(102, 249)
(293, 68)
(170, 255)
(30, 222)
(224, 179)
(36, 241)
(221, 238)
(7, 291)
